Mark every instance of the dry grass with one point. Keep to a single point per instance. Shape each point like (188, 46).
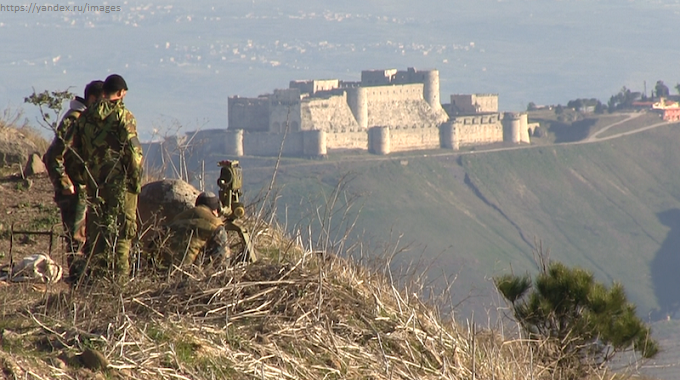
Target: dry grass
(296, 314)
(35, 136)
(15, 119)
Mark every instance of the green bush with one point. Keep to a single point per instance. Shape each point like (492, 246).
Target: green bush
(579, 323)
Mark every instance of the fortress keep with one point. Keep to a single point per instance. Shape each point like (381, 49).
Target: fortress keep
(387, 111)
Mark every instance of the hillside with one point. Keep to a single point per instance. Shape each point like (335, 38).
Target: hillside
(608, 206)
(296, 314)
(612, 207)
(307, 313)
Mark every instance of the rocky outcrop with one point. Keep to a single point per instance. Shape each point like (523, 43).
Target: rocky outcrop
(162, 200)
(34, 166)
(15, 147)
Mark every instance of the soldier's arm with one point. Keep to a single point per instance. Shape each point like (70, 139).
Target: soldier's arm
(133, 152)
(76, 147)
(54, 156)
(218, 245)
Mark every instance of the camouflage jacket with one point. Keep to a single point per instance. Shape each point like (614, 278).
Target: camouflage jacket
(196, 231)
(106, 138)
(63, 167)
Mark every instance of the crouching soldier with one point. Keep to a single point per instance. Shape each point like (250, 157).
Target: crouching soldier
(196, 233)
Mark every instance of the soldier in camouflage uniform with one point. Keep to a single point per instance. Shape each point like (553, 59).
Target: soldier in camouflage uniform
(65, 170)
(106, 139)
(197, 232)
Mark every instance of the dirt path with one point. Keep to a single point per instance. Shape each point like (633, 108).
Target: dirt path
(630, 117)
(660, 124)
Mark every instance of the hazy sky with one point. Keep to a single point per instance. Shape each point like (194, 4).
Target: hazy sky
(182, 59)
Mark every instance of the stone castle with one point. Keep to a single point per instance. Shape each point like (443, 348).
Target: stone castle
(387, 111)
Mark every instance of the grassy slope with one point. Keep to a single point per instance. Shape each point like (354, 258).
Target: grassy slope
(294, 314)
(608, 207)
(612, 207)
(595, 205)
(424, 200)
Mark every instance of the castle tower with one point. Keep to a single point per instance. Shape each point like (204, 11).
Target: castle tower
(524, 128)
(448, 135)
(314, 143)
(234, 143)
(357, 100)
(431, 88)
(511, 127)
(379, 140)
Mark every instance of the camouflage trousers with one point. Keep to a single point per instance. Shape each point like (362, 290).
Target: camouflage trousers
(111, 228)
(73, 209)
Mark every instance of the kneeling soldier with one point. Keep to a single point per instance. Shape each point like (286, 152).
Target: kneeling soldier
(197, 231)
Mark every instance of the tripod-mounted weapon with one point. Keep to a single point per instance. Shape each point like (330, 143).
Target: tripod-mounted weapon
(230, 183)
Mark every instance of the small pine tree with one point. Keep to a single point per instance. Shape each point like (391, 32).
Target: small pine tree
(579, 323)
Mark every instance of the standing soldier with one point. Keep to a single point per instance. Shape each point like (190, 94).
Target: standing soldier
(106, 139)
(65, 171)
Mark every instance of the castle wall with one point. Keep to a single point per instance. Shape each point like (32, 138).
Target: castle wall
(486, 102)
(314, 86)
(377, 77)
(305, 86)
(418, 138)
(476, 130)
(325, 85)
(429, 79)
(208, 140)
(347, 140)
(401, 106)
(331, 114)
(392, 93)
(250, 114)
(284, 111)
(268, 144)
(474, 103)
(285, 116)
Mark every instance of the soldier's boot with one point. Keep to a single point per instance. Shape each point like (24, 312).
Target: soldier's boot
(77, 265)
